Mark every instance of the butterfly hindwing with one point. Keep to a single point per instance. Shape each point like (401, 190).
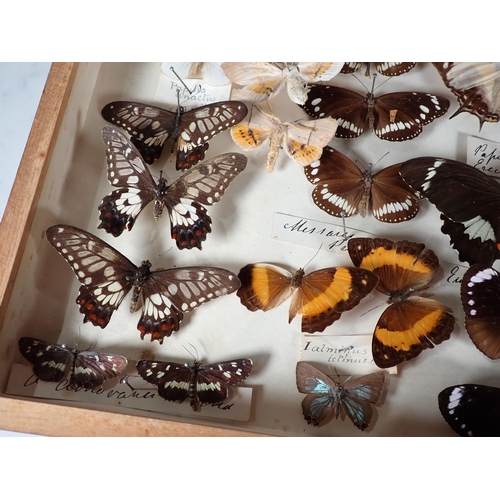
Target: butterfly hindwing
(106, 276)
(477, 87)
(471, 409)
(203, 184)
(411, 323)
(319, 297)
(151, 126)
(384, 68)
(87, 369)
(468, 199)
(342, 189)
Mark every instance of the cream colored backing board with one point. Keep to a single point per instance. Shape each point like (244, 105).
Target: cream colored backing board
(244, 231)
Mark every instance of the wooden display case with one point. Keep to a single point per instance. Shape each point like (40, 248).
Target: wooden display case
(62, 178)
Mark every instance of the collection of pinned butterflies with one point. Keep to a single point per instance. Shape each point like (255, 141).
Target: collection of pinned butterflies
(136, 142)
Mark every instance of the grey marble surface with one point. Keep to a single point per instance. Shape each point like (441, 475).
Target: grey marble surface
(21, 86)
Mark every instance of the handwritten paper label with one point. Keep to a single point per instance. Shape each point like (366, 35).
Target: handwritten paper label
(312, 233)
(453, 273)
(199, 94)
(348, 354)
(484, 155)
(137, 394)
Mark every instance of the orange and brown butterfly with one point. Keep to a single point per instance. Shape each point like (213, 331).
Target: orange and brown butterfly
(412, 322)
(320, 297)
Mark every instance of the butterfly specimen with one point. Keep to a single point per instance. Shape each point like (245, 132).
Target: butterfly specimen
(477, 87)
(302, 140)
(471, 409)
(469, 201)
(480, 295)
(87, 369)
(342, 189)
(190, 131)
(320, 297)
(106, 276)
(261, 80)
(398, 116)
(384, 68)
(325, 397)
(411, 323)
(210, 72)
(202, 384)
(203, 184)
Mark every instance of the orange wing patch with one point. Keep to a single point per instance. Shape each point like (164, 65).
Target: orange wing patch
(411, 323)
(320, 297)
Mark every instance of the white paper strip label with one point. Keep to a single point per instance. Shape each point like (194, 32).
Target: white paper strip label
(348, 354)
(136, 394)
(484, 155)
(312, 233)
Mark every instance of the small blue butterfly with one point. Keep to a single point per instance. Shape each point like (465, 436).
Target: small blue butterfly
(325, 397)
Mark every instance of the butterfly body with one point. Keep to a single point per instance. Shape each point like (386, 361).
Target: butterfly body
(469, 202)
(411, 323)
(201, 384)
(203, 184)
(320, 297)
(302, 140)
(326, 398)
(342, 189)
(190, 131)
(471, 410)
(87, 369)
(107, 276)
(398, 116)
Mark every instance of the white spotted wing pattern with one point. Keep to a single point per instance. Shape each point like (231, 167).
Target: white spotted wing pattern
(106, 276)
(342, 189)
(398, 116)
(201, 384)
(87, 369)
(203, 184)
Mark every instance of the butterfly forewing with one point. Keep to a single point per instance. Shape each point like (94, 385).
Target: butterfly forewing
(151, 126)
(183, 199)
(468, 199)
(480, 295)
(87, 369)
(384, 68)
(471, 409)
(107, 276)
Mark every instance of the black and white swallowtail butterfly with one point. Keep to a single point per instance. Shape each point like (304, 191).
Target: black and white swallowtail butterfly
(203, 184)
(107, 276)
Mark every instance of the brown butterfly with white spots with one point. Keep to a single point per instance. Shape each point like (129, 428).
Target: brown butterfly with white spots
(204, 184)
(106, 276)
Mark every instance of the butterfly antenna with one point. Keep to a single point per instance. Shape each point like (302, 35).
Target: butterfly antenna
(181, 80)
(314, 256)
(378, 161)
(190, 353)
(365, 87)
